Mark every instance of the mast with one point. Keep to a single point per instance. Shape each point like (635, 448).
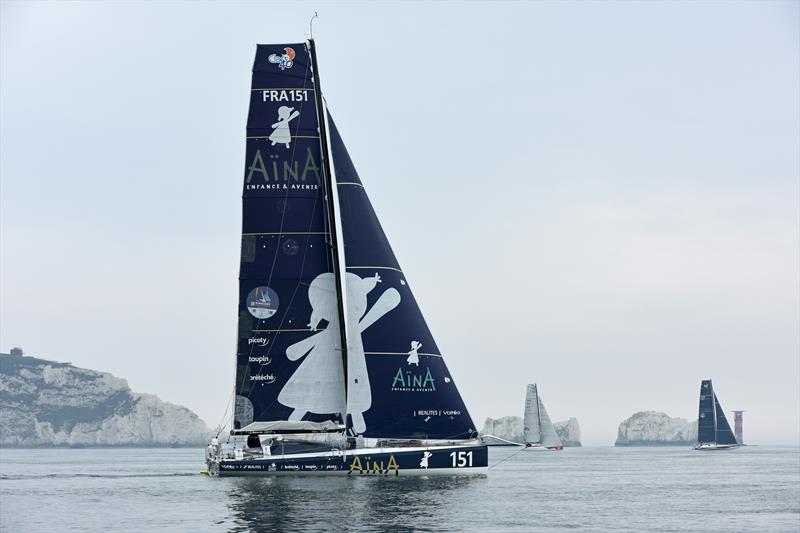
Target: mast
(334, 245)
(539, 412)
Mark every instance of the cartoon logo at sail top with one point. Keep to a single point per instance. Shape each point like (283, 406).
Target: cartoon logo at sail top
(285, 60)
(262, 302)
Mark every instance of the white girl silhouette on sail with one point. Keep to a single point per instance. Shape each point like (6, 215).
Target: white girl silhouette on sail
(359, 393)
(282, 135)
(317, 386)
(413, 356)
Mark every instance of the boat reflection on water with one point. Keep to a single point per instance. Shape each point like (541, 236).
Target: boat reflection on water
(297, 503)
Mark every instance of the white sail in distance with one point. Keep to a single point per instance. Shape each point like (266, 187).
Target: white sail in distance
(538, 429)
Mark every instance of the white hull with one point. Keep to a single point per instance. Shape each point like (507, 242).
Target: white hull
(540, 448)
(714, 447)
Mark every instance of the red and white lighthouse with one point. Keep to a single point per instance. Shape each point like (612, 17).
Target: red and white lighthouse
(737, 426)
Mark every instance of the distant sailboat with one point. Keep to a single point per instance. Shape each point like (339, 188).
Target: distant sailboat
(539, 432)
(713, 430)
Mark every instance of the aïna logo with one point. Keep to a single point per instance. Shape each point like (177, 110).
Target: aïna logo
(408, 381)
(285, 60)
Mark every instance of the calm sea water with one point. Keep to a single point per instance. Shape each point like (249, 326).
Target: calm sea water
(755, 488)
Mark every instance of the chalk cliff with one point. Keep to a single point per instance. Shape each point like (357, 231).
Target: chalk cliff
(651, 428)
(45, 403)
(510, 428)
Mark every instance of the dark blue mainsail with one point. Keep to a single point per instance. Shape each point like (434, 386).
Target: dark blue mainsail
(398, 383)
(706, 429)
(289, 361)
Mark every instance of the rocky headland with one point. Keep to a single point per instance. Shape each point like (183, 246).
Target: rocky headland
(652, 428)
(45, 403)
(510, 428)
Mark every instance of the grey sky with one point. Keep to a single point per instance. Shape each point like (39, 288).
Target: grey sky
(603, 198)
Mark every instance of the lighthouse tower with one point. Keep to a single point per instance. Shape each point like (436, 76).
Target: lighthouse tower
(737, 426)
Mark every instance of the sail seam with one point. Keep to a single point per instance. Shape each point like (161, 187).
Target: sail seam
(292, 136)
(281, 89)
(368, 267)
(281, 330)
(289, 233)
(402, 353)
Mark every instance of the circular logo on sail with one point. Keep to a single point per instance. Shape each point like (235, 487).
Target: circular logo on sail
(262, 302)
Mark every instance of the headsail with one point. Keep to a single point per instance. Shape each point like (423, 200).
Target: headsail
(398, 383)
(724, 433)
(289, 364)
(549, 436)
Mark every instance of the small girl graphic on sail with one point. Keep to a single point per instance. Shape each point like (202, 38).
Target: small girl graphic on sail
(413, 356)
(317, 386)
(281, 133)
(359, 393)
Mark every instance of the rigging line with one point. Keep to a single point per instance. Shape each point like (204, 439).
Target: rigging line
(504, 440)
(291, 301)
(294, 292)
(275, 258)
(225, 414)
(507, 458)
(297, 285)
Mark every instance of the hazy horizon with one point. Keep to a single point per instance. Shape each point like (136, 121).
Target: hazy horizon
(602, 198)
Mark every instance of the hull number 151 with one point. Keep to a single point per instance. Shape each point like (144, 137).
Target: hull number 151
(461, 459)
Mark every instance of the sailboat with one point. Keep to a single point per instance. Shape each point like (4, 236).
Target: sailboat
(336, 369)
(713, 430)
(538, 431)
